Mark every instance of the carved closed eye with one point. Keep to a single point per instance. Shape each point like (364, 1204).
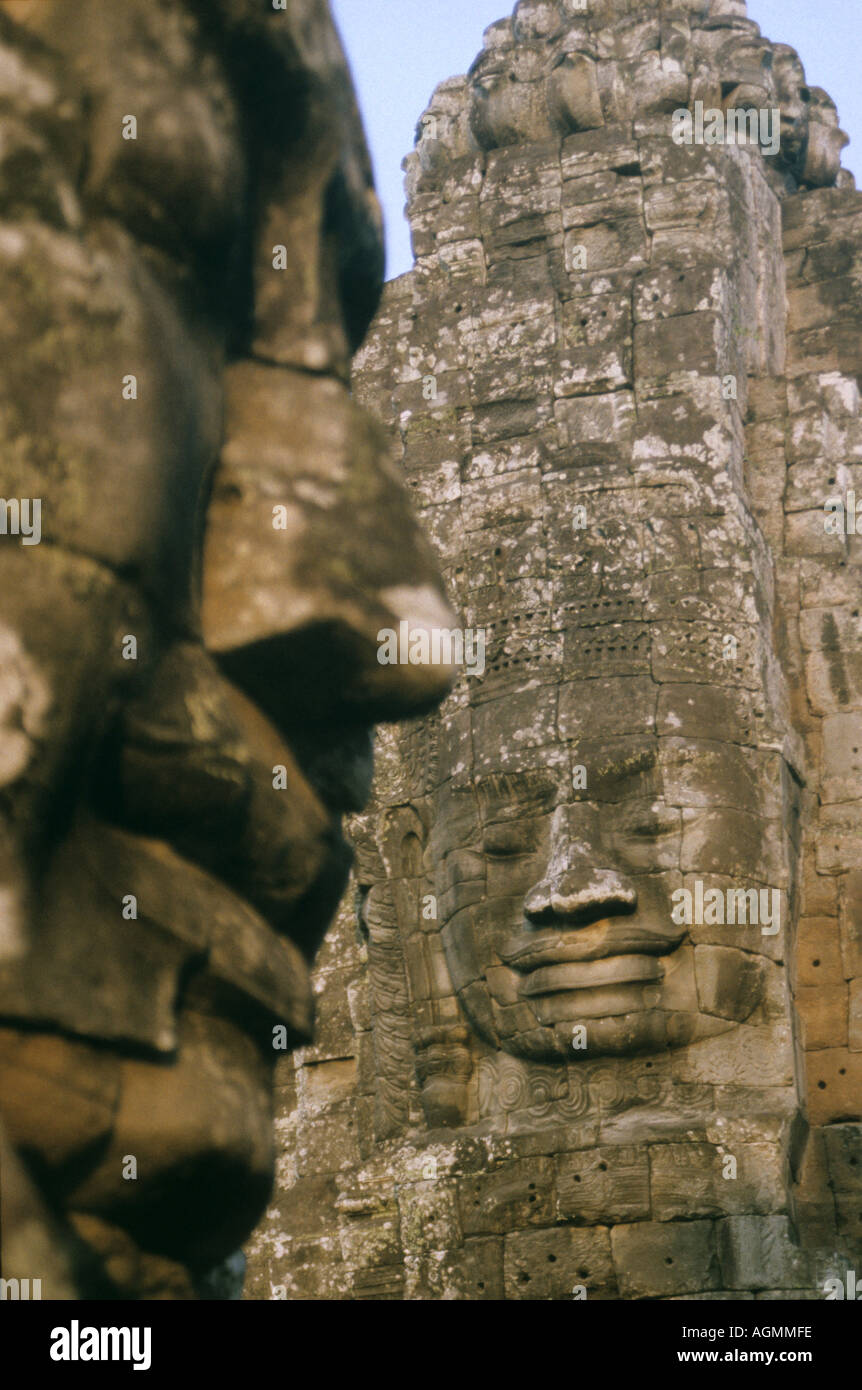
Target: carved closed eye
(503, 841)
(652, 827)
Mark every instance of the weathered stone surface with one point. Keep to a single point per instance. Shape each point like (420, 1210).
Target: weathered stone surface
(516, 1195)
(201, 535)
(835, 1086)
(759, 1252)
(604, 1186)
(558, 1263)
(823, 1014)
(656, 1259)
(711, 1180)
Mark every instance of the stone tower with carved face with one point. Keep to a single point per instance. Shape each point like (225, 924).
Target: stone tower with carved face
(598, 1030)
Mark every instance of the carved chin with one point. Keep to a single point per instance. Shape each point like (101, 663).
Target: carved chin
(568, 1027)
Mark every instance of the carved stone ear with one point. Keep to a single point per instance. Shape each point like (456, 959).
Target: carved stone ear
(573, 96)
(402, 836)
(444, 1065)
(823, 154)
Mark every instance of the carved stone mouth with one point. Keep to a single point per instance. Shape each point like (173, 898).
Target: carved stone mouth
(563, 976)
(606, 941)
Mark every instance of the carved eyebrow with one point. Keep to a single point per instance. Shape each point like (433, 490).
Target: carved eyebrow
(627, 766)
(499, 792)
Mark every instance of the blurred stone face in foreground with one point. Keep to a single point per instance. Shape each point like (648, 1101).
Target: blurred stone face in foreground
(624, 373)
(190, 252)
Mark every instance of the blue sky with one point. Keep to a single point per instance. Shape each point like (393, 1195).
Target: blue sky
(401, 49)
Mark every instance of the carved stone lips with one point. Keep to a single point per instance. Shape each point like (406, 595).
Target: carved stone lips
(617, 970)
(607, 942)
(609, 968)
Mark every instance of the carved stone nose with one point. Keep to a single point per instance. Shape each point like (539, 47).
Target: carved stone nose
(576, 897)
